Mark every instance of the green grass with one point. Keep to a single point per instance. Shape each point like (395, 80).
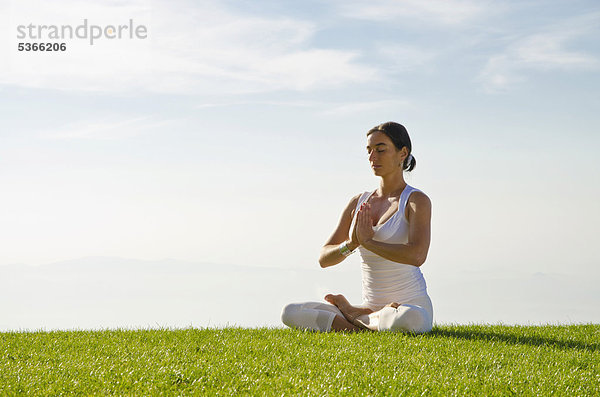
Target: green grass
(451, 360)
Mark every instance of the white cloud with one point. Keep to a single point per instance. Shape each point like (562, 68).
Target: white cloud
(341, 109)
(448, 12)
(107, 129)
(191, 48)
(298, 104)
(325, 108)
(542, 51)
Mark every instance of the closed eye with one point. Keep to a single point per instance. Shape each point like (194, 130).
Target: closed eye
(380, 148)
(378, 151)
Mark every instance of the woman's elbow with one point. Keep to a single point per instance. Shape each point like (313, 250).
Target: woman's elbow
(323, 259)
(419, 259)
(323, 262)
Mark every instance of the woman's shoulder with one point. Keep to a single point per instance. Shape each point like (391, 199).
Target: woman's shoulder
(418, 197)
(353, 203)
(356, 198)
(417, 201)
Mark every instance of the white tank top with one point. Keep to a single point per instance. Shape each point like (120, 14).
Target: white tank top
(385, 281)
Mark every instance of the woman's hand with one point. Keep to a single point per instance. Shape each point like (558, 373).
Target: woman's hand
(364, 224)
(354, 243)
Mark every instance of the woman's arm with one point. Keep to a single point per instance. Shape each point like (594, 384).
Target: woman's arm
(419, 234)
(330, 253)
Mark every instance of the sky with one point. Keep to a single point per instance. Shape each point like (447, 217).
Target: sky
(191, 176)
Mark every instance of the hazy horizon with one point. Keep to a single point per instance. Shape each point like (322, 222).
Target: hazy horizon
(104, 292)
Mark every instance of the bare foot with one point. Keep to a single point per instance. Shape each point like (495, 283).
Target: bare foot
(350, 312)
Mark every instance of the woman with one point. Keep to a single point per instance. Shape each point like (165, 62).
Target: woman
(391, 229)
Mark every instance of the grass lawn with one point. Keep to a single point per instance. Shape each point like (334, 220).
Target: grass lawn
(451, 360)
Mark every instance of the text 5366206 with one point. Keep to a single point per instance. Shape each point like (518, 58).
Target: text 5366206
(46, 47)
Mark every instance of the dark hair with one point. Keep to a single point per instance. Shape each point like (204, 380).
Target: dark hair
(399, 136)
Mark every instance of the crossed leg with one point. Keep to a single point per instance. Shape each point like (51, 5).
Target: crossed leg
(339, 315)
(361, 317)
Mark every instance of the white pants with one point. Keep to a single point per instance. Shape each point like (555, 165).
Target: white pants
(414, 316)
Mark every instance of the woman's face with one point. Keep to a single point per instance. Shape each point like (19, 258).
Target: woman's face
(383, 155)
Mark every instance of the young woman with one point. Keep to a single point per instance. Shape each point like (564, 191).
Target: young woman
(390, 227)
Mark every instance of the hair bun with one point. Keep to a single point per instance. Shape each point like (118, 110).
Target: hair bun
(411, 162)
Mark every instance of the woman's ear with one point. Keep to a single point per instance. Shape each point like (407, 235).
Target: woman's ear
(404, 152)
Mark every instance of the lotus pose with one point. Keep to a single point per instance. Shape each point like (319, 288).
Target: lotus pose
(390, 227)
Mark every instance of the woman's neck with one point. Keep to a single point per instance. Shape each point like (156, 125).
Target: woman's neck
(391, 185)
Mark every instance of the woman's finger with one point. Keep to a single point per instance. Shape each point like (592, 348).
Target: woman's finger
(361, 218)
